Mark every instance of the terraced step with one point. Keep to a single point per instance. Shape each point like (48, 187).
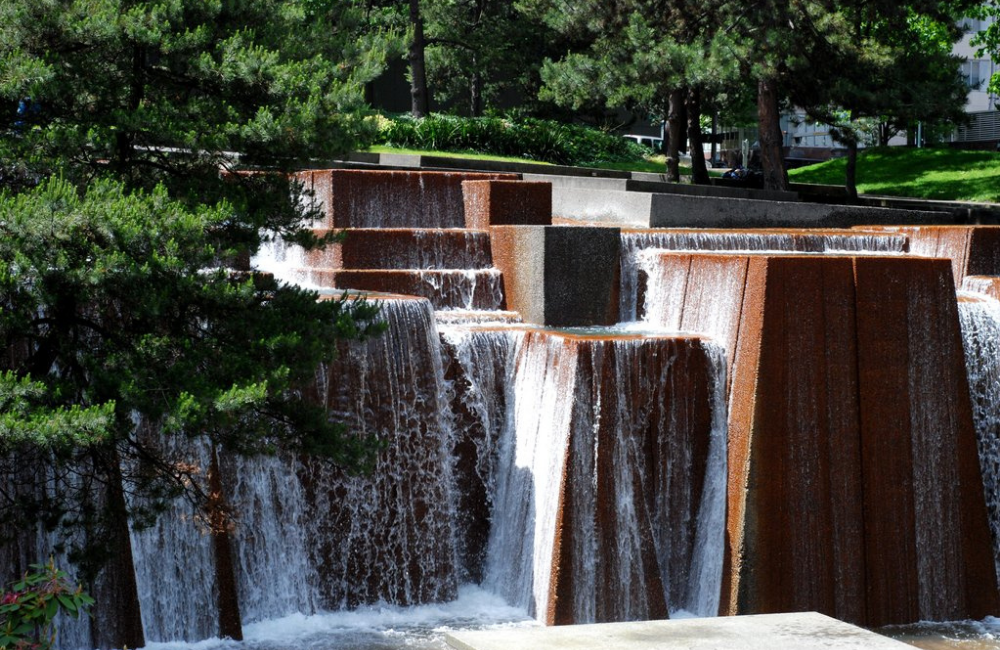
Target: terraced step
(399, 248)
(480, 289)
(391, 199)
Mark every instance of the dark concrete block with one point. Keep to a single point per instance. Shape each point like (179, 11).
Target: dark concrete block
(558, 275)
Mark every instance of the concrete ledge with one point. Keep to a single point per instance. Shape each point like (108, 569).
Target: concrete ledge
(709, 212)
(717, 191)
(469, 164)
(798, 631)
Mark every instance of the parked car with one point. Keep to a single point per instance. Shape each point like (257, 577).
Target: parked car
(653, 142)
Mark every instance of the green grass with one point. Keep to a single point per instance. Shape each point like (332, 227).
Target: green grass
(654, 164)
(938, 174)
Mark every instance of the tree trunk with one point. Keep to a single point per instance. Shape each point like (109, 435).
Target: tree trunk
(715, 136)
(230, 621)
(699, 171)
(851, 170)
(675, 128)
(772, 157)
(119, 624)
(884, 134)
(475, 91)
(419, 94)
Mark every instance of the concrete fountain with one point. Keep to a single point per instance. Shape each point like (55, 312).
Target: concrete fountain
(734, 422)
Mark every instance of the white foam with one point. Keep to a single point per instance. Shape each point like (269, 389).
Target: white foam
(376, 626)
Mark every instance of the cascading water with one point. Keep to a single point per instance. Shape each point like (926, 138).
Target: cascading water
(633, 242)
(175, 564)
(275, 572)
(980, 317)
(532, 454)
(436, 249)
(463, 289)
(583, 506)
(480, 364)
(308, 536)
(24, 477)
(701, 596)
(389, 535)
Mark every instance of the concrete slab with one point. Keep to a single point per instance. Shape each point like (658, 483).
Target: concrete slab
(796, 631)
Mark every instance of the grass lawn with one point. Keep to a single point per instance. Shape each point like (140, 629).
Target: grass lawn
(942, 174)
(654, 164)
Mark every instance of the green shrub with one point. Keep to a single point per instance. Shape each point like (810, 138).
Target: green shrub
(28, 608)
(534, 139)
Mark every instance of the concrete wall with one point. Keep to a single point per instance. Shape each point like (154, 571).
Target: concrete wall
(854, 486)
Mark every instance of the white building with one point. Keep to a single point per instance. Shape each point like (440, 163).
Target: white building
(981, 104)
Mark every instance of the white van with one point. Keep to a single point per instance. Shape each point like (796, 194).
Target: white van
(653, 142)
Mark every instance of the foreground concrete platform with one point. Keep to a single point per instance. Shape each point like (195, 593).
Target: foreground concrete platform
(798, 631)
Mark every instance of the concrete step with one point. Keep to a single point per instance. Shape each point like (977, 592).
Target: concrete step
(401, 248)
(480, 289)
(798, 631)
(390, 199)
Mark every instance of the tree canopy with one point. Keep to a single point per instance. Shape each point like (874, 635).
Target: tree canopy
(161, 133)
(883, 60)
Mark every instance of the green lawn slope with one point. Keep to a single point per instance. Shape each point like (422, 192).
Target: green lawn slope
(939, 174)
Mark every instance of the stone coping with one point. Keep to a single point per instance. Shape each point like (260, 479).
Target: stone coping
(796, 631)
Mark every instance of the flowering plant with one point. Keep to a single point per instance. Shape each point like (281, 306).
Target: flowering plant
(28, 607)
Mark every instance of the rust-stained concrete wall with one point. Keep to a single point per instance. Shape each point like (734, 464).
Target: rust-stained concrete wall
(399, 248)
(795, 495)
(497, 203)
(854, 487)
(926, 477)
(390, 199)
(973, 250)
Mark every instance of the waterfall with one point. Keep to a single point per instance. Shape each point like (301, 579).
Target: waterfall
(389, 535)
(463, 289)
(25, 476)
(531, 460)
(980, 317)
(717, 241)
(610, 478)
(479, 362)
(174, 562)
(705, 573)
(309, 536)
(275, 571)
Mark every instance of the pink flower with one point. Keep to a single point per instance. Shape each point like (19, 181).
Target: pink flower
(9, 599)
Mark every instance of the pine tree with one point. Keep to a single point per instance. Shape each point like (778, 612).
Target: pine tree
(158, 136)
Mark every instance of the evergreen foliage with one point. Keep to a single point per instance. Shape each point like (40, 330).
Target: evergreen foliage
(158, 135)
(534, 139)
